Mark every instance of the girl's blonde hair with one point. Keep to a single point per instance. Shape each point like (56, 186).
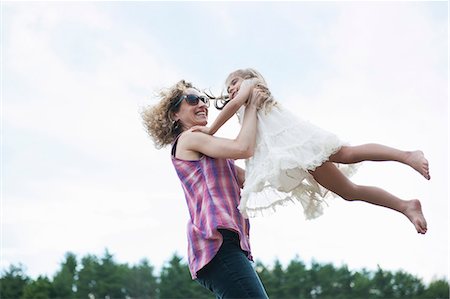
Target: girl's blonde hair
(157, 119)
(268, 102)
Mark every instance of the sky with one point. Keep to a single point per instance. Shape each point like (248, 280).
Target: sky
(79, 173)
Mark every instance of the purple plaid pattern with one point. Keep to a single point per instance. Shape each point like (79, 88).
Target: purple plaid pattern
(212, 194)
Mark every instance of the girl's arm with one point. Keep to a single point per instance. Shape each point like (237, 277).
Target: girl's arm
(192, 144)
(232, 106)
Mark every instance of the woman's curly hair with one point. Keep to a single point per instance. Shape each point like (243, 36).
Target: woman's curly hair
(157, 119)
(266, 104)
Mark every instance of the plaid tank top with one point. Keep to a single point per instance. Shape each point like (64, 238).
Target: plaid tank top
(212, 195)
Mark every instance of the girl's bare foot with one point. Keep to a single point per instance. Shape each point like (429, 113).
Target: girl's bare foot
(418, 161)
(414, 213)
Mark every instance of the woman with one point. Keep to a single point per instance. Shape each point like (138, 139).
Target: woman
(218, 235)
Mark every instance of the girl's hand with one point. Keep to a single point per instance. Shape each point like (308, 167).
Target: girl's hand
(202, 129)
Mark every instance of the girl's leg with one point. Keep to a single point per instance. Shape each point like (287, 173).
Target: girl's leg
(331, 178)
(378, 152)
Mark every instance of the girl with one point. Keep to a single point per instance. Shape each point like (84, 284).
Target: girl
(295, 160)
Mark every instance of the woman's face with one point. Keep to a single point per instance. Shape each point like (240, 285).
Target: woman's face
(192, 115)
(233, 86)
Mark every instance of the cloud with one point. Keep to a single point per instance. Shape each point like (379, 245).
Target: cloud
(385, 62)
(75, 150)
(96, 107)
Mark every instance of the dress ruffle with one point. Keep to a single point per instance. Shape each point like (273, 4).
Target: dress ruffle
(287, 148)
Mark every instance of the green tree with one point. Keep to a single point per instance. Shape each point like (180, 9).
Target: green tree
(382, 284)
(361, 285)
(140, 281)
(406, 285)
(13, 282)
(41, 288)
(342, 283)
(437, 289)
(101, 277)
(324, 280)
(275, 282)
(176, 282)
(104, 278)
(110, 277)
(330, 282)
(65, 279)
(264, 274)
(297, 282)
(87, 277)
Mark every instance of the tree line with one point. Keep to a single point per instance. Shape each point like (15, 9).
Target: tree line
(102, 277)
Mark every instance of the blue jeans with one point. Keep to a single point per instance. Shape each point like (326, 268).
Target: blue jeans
(230, 274)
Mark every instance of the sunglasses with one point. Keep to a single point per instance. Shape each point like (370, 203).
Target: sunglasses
(192, 99)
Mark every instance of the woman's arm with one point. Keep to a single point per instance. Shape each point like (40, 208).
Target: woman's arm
(232, 106)
(192, 144)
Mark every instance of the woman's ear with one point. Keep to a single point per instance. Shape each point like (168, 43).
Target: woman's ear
(173, 116)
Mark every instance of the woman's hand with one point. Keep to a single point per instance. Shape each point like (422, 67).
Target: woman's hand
(257, 96)
(248, 83)
(202, 129)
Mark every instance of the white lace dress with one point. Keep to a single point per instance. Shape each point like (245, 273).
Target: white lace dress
(286, 148)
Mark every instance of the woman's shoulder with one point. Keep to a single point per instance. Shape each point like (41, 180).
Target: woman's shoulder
(186, 142)
(189, 139)
(186, 137)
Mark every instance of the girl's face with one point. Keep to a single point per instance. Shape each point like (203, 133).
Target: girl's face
(233, 86)
(189, 114)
